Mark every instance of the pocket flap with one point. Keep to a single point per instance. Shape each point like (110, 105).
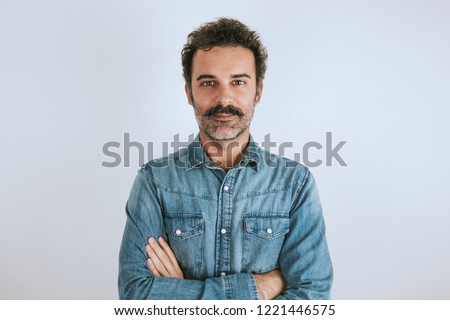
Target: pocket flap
(267, 227)
(183, 226)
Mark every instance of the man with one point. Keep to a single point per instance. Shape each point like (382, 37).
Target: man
(224, 219)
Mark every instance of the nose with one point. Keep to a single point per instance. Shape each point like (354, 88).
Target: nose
(224, 96)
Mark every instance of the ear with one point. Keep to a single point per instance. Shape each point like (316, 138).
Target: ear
(188, 93)
(259, 91)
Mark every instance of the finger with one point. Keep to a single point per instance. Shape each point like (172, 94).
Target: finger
(148, 249)
(152, 268)
(156, 264)
(178, 273)
(162, 256)
(156, 261)
(166, 248)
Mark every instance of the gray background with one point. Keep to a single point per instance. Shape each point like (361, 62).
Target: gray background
(77, 74)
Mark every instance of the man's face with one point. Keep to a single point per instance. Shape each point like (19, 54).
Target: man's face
(224, 91)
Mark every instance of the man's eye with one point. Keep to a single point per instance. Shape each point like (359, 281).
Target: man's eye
(238, 82)
(207, 83)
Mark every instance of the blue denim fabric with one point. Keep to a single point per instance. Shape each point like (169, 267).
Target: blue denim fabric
(223, 227)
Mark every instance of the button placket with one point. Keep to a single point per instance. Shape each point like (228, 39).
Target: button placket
(225, 225)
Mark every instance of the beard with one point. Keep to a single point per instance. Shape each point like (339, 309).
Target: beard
(223, 130)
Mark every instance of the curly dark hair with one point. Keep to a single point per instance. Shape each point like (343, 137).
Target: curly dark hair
(223, 32)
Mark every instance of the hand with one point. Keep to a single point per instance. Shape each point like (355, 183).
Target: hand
(270, 284)
(161, 259)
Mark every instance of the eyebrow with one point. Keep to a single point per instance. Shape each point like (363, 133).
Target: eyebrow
(234, 76)
(205, 76)
(241, 75)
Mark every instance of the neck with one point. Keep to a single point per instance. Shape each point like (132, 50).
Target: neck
(225, 153)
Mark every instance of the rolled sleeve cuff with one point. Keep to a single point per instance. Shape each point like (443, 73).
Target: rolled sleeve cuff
(240, 286)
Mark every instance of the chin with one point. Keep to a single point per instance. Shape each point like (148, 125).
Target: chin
(224, 136)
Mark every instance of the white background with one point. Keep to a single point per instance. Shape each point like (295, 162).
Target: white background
(77, 74)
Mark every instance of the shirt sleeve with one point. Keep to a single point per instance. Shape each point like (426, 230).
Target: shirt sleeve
(304, 258)
(144, 219)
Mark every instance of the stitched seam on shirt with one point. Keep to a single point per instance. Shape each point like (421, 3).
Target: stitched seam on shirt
(146, 176)
(302, 183)
(281, 161)
(227, 288)
(261, 193)
(278, 157)
(147, 170)
(161, 187)
(266, 214)
(190, 194)
(254, 289)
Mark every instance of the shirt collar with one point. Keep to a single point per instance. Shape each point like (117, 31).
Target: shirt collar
(196, 155)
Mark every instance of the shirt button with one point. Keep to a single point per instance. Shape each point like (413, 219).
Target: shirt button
(178, 232)
(269, 231)
(223, 231)
(226, 188)
(222, 274)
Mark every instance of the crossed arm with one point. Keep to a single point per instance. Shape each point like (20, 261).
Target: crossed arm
(163, 263)
(304, 259)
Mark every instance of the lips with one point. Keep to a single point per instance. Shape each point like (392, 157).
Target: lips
(224, 116)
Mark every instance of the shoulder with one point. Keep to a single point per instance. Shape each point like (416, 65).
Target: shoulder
(283, 167)
(165, 165)
(168, 162)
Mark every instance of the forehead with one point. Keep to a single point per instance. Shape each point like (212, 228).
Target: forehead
(223, 60)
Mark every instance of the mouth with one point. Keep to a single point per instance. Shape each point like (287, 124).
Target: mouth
(224, 117)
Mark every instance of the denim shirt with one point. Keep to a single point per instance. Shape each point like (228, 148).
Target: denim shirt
(223, 227)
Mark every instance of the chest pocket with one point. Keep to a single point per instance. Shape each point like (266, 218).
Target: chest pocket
(184, 231)
(263, 239)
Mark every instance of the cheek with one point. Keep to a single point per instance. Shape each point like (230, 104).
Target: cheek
(248, 99)
(201, 99)
(202, 104)
(246, 94)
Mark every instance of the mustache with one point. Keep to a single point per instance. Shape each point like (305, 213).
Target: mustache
(229, 109)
